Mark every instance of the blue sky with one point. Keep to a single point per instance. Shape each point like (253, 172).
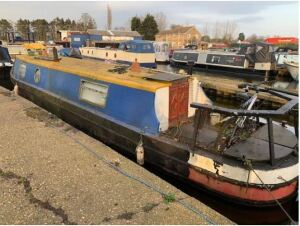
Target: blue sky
(263, 18)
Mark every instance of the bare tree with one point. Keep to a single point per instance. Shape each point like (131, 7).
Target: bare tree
(254, 38)
(217, 30)
(86, 22)
(127, 25)
(229, 30)
(206, 30)
(109, 18)
(161, 21)
(120, 28)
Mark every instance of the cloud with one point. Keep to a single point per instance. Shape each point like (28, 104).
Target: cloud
(249, 15)
(236, 7)
(249, 19)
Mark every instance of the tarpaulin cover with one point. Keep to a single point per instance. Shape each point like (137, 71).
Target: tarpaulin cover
(70, 52)
(4, 55)
(260, 53)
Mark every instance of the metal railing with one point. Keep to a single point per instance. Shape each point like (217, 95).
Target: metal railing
(290, 106)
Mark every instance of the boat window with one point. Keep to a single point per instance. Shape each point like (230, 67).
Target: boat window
(115, 55)
(88, 52)
(106, 54)
(122, 46)
(165, 48)
(133, 47)
(146, 46)
(215, 59)
(37, 75)
(93, 93)
(22, 70)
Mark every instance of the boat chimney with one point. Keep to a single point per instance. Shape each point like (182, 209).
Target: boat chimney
(55, 55)
(135, 66)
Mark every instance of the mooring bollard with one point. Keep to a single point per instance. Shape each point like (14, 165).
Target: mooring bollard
(16, 89)
(140, 153)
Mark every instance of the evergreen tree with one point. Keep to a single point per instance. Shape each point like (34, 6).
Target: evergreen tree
(136, 24)
(149, 28)
(205, 38)
(68, 24)
(241, 37)
(40, 28)
(23, 28)
(73, 25)
(5, 27)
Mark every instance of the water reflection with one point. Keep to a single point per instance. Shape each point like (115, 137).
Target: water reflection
(279, 82)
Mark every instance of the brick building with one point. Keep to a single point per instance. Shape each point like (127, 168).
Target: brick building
(180, 36)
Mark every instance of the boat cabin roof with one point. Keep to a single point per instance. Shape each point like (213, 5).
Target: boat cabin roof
(98, 70)
(137, 46)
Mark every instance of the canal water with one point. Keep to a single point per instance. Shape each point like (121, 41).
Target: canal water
(249, 215)
(279, 82)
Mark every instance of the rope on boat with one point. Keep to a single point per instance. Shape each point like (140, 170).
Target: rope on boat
(123, 172)
(248, 163)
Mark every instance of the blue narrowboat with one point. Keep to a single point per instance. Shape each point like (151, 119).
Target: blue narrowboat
(125, 52)
(162, 119)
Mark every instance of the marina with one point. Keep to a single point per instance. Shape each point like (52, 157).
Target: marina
(148, 123)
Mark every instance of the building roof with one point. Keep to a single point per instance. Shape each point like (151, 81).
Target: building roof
(176, 30)
(280, 40)
(99, 32)
(113, 33)
(126, 33)
(78, 33)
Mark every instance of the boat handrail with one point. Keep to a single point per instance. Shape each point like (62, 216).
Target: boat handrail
(291, 105)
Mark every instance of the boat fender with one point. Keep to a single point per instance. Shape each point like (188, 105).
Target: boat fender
(16, 90)
(140, 153)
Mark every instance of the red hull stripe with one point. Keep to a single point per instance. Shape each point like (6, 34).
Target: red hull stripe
(241, 192)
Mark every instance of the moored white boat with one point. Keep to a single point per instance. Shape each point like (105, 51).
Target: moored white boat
(293, 69)
(161, 51)
(126, 53)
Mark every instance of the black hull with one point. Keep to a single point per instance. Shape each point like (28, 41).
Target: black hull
(227, 70)
(164, 157)
(4, 73)
(5, 77)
